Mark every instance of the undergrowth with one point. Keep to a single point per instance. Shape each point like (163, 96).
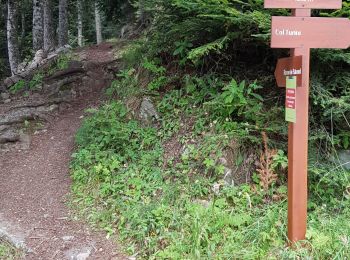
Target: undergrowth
(9, 252)
(179, 206)
(208, 180)
(35, 83)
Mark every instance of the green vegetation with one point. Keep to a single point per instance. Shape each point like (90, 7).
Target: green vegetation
(176, 205)
(8, 252)
(163, 185)
(19, 86)
(36, 81)
(23, 86)
(61, 63)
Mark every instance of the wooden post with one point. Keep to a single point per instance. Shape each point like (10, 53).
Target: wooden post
(302, 32)
(298, 149)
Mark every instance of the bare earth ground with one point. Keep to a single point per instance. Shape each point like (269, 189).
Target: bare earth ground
(34, 185)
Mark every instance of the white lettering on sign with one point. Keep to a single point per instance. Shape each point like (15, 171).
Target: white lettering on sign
(290, 104)
(306, 1)
(292, 72)
(287, 32)
(291, 93)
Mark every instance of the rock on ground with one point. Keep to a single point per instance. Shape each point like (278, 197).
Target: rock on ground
(148, 112)
(343, 159)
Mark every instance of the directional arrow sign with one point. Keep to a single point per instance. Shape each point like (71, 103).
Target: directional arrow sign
(286, 67)
(310, 32)
(308, 4)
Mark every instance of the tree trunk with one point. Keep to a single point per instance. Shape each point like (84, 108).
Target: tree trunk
(38, 32)
(63, 23)
(98, 24)
(22, 9)
(12, 37)
(142, 18)
(49, 42)
(23, 24)
(80, 23)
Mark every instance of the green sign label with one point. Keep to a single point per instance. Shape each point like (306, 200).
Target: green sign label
(291, 91)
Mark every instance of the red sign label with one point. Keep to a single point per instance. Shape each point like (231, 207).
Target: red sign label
(291, 66)
(290, 103)
(308, 4)
(291, 93)
(290, 98)
(310, 32)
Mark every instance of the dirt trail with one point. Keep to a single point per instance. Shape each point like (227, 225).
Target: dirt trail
(34, 185)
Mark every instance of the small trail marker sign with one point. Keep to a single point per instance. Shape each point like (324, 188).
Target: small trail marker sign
(291, 89)
(291, 66)
(301, 33)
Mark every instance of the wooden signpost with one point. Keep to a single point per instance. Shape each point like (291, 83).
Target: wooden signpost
(302, 32)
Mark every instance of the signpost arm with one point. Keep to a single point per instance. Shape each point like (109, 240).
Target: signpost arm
(298, 149)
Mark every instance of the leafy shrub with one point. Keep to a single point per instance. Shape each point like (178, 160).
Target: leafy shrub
(329, 185)
(19, 86)
(8, 251)
(182, 49)
(158, 75)
(127, 77)
(133, 54)
(36, 81)
(201, 28)
(239, 100)
(60, 63)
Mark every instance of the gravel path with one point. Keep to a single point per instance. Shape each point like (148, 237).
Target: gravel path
(34, 185)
